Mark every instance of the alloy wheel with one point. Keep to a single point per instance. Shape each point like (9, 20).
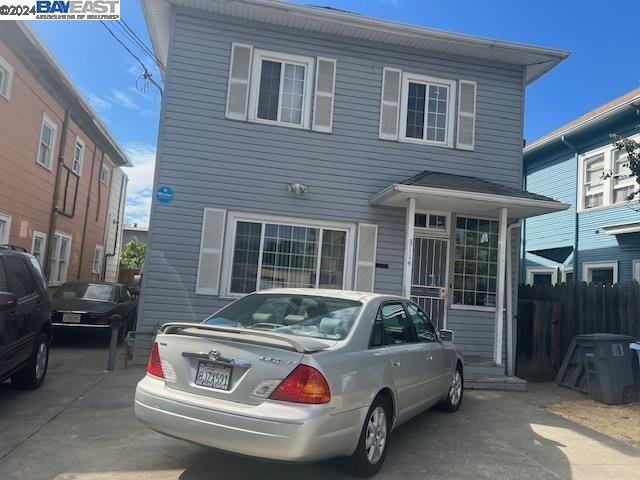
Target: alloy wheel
(376, 438)
(455, 390)
(41, 360)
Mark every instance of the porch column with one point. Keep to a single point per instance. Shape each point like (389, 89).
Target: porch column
(408, 247)
(500, 286)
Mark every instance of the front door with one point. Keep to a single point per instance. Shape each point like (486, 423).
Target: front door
(429, 277)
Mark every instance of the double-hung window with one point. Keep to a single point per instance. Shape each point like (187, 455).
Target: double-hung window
(281, 89)
(593, 181)
(623, 182)
(38, 244)
(5, 228)
(104, 174)
(427, 109)
(60, 251)
(6, 78)
(47, 142)
(475, 262)
(78, 156)
(271, 253)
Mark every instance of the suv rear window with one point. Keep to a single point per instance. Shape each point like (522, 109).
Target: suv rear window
(21, 281)
(4, 280)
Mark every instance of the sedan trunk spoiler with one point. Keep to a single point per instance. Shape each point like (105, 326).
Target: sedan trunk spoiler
(302, 345)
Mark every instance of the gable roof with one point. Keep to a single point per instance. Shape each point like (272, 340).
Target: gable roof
(583, 121)
(536, 60)
(463, 183)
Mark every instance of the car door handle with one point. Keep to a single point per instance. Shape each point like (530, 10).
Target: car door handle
(395, 363)
(429, 356)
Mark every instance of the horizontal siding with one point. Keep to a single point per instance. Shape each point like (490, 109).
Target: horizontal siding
(213, 162)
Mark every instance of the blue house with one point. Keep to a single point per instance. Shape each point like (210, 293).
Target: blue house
(598, 238)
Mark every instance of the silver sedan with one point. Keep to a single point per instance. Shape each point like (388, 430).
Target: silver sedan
(300, 375)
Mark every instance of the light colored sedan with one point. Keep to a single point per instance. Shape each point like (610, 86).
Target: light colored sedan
(300, 375)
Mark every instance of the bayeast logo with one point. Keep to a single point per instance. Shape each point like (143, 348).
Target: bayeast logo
(78, 9)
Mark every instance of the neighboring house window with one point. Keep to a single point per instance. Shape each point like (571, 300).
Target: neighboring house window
(5, 228)
(600, 272)
(281, 89)
(636, 270)
(38, 244)
(6, 78)
(475, 262)
(274, 254)
(542, 276)
(104, 174)
(605, 178)
(97, 259)
(47, 142)
(78, 156)
(60, 251)
(567, 275)
(427, 109)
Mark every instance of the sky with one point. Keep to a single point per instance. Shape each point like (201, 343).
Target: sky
(602, 66)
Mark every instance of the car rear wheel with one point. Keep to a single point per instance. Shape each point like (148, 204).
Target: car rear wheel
(32, 374)
(456, 390)
(372, 446)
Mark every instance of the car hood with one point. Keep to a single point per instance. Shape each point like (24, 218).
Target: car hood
(68, 304)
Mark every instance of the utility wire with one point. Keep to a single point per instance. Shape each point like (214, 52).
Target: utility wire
(146, 75)
(139, 42)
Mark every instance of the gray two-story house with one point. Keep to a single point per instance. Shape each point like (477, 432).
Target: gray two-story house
(309, 147)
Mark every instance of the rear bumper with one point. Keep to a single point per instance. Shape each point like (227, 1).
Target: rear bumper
(273, 430)
(80, 325)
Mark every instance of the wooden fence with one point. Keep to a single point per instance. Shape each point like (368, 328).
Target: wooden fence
(550, 316)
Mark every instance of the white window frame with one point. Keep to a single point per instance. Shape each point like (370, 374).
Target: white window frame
(254, 92)
(42, 236)
(566, 271)
(531, 271)
(4, 239)
(104, 168)
(587, 268)
(608, 188)
(434, 231)
(7, 78)
(451, 108)
(97, 255)
(230, 236)
(55, 259)
(636, 270)
(54, 127)
(79, 143)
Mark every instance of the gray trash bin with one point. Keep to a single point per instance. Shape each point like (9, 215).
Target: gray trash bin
(609, 364)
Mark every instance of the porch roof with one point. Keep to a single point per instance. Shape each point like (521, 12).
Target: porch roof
(463, 194)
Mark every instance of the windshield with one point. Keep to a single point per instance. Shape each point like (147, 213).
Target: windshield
(87, 291)
(303, 315)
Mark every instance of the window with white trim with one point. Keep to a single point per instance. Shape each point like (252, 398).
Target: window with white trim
(636, 270)
(5, 228)
(600, 272)
(605, 178)
(273, 253)
(475, 262)
(78, 156)
(47, 142)
(567, 275)
(97, 259)
(433, 222)
(59, 262)
(6, 78)
(38, 244)
(541, 276)
(427, 109)
(104, 174)
(281, 89)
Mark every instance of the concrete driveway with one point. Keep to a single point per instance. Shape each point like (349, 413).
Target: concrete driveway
(80, 425)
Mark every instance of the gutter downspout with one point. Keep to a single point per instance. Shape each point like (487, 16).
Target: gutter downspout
(510, 351)
(576, 235)
(53, 218)
(86, 212)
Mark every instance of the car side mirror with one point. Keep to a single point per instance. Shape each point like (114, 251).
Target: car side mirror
(446, 335)
(8, 301)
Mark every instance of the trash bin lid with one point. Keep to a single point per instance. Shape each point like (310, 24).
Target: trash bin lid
(605, 337)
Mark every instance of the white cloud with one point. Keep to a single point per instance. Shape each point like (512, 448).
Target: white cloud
(99, 104)
(125, 100)
(139, 189)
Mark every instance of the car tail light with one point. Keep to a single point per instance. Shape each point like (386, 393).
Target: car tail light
(103, 319)
(154, 366)
(304, 385)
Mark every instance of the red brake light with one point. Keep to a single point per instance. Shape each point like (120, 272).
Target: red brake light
(103, 319)
(304, 385)
(154, 366)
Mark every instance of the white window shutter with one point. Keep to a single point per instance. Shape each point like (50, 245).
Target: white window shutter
(366, 257)
(208, 280)
(466, 115)
(325, 88)
(390, 103)
(239, 76)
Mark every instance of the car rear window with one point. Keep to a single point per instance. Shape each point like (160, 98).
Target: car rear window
(303, 315)
(87, 291)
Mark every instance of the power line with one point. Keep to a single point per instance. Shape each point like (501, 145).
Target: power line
(146, 75)
(139, 42)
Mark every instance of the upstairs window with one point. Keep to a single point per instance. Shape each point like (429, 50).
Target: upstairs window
(623, 182)
(593, 182)
(104, 174)
(6, 78)
(47, 142)
(282, 90)
(78, 156)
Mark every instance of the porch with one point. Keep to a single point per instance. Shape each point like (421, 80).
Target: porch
(460, 261)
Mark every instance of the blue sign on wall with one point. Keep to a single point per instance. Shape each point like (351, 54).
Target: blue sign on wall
(164, 194)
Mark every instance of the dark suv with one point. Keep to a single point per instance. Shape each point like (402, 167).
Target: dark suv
(25, 319)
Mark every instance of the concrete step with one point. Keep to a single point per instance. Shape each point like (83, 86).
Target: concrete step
(488, 369)
(497, 382)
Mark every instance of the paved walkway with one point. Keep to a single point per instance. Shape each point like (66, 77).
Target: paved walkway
(80, 425)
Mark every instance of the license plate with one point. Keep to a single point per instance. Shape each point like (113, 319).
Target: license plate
(71, 317)
(213, 376)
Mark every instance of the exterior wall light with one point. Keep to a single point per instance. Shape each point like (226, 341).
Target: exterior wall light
(297, 188)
